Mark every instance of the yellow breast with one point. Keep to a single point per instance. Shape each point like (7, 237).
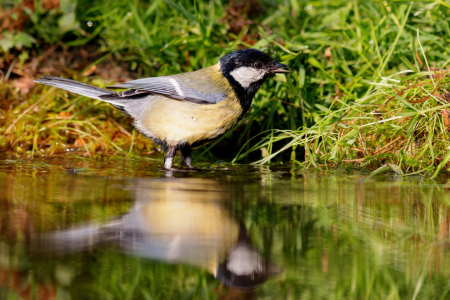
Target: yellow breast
(178, 122)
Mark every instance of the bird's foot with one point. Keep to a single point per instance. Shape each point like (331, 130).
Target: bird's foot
(168, 163)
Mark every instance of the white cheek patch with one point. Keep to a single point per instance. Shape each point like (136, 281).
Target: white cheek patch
(247, 75)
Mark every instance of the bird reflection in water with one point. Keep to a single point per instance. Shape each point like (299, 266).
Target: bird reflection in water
(182, 221)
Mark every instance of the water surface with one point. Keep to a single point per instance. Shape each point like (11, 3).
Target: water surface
(75, 228)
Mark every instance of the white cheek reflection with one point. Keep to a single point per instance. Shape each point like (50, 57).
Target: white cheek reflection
(247, 75)
(244, 261)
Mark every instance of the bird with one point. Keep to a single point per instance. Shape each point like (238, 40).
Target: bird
(182, 221)
(187, 110)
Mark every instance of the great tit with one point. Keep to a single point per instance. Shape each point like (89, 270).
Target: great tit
(188, 110)
(183, 221)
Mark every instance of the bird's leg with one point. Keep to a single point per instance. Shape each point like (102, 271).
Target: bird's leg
(168, 159)
(186, 157)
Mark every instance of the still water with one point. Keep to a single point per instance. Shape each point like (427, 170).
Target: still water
(74, 228)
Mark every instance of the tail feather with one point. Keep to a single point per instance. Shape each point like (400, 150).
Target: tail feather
(122, 230)
(69, 240)
(120, 100)
(73, 86)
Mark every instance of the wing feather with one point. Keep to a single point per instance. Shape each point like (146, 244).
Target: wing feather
(171, 87)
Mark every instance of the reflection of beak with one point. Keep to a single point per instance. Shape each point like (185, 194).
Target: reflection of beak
(279, 68)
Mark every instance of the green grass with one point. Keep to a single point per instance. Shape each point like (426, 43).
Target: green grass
(345, 56)
(376, 61)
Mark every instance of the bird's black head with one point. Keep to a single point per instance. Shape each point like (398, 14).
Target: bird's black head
(246, 70)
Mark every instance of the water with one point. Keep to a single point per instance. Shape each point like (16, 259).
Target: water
(111, 228)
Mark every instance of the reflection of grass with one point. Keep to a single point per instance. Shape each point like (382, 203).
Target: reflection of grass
(335, 238)
(344, 240)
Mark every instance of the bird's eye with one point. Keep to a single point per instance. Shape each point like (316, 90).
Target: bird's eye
(258, 65)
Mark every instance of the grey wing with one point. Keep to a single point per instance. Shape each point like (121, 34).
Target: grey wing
(168, 86)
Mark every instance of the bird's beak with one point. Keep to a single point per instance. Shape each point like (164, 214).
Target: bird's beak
(279, 68)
